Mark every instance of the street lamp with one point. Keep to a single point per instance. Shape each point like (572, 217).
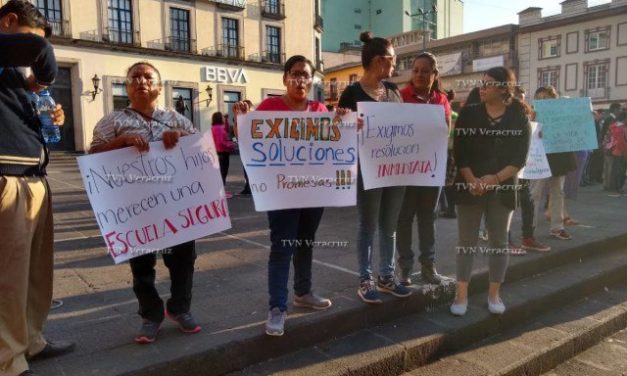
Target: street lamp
(209, 91)
(96, 82)
(424, 13)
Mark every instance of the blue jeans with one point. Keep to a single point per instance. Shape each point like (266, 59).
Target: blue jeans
(420, 202)
(380, 208)
(292, 233)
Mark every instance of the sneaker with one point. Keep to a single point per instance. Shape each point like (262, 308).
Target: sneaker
(616, 194)
(515, 249)
(148, 332)
(312, 301)
(228, 194)
(531, 244)
(429, 275)
(568, 221)
(276, 322)
(560, 234)
(368, 292)
(483, 235)
(391, 285)
(245, 192)
(185, 321)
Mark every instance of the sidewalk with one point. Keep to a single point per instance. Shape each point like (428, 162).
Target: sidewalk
(230, 294)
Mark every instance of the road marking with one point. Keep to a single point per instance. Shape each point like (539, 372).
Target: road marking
(252, 242)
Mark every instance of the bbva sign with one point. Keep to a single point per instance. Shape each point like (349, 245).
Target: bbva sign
(225, 75)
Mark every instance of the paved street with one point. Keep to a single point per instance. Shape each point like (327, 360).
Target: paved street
(230, 295)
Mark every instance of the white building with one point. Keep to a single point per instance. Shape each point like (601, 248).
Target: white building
(582, 51)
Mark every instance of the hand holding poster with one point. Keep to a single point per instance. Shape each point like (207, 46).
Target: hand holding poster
(402, 144)
(537, 166)
(567, 124)
(147, 202)
(299, 159)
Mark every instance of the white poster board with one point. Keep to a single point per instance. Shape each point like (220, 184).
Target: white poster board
(402, 144)
(147, 202)
(537, 166)
(299, 159)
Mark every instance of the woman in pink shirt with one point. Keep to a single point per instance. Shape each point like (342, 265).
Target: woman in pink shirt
(224, 145)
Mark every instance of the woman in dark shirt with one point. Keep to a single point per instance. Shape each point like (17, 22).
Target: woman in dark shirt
(490, 147)
(378, 207)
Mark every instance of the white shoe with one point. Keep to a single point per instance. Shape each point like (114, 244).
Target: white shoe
(496, 308)
(459, 309)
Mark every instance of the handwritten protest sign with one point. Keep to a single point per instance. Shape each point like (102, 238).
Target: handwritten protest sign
(537, 166)
(299, 159)
(402, 144)
(151, 201)
(567, 124)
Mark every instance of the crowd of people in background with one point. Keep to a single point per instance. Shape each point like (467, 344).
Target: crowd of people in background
(476, 168)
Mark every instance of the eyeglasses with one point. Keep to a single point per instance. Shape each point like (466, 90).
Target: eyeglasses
(138, 79)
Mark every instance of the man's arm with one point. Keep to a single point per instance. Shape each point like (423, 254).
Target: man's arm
(29, 50)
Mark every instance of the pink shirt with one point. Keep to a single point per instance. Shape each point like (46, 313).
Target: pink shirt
(277, 104)
(221, 139)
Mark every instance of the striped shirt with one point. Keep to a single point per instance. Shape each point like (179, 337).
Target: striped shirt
(128, 121)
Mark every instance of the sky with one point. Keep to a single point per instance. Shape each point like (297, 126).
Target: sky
(484, 14)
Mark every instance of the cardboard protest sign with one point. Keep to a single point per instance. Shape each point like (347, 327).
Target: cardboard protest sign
(146, 202)
(402, 144)
(299, 159)
(537, 165)
(567, 124)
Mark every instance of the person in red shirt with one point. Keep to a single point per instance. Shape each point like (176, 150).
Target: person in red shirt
(421, 202)
(291, 224)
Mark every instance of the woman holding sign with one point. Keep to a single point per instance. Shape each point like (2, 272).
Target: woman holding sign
(421, 202)
(137, 125)
(378, 207)
(490, 146)
(292, 231)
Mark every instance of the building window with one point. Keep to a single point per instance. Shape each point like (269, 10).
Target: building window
(272, 6)
(120, 97)
(597, 76)
(51, 9)
(182, 102)
(120, 21)
(273, 42)
(230, 37)
(549, 48)
(179, 30)
(358, 10)
(230, 98)
(550, 77)
(333, 89)
(357, 27)
(598, 40)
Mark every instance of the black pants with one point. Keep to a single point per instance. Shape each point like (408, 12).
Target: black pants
(527, 209)
(420, 203)
(224, 160)
(617, 173)
(180, 262)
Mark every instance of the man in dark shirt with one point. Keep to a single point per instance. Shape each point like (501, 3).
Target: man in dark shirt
(26, 259)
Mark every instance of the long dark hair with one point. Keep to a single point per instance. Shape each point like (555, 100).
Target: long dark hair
(217, 118)
(505, 78)
(473, 97)
(434, 66)
(373, 47)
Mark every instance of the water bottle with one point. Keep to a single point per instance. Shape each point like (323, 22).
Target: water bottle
(45, 106)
